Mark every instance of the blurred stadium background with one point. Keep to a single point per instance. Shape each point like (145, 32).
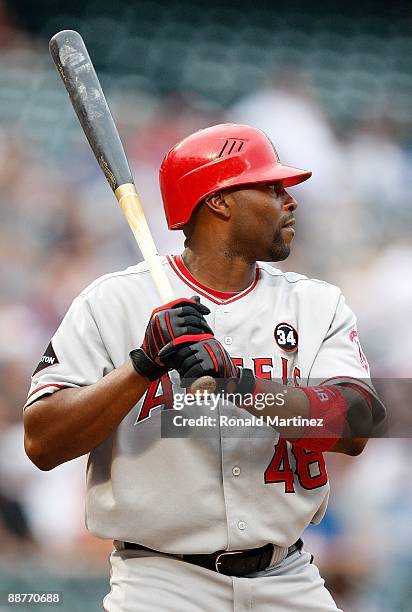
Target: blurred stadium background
(331, 83)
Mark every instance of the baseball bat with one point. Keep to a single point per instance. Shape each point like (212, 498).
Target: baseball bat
(72, 60)
(77, 72)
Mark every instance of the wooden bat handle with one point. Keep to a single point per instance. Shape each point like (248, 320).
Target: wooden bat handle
(205, 383)
(133, 211)
(131, 206)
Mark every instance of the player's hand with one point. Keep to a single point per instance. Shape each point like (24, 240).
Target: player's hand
(182, 320)
(205, 357)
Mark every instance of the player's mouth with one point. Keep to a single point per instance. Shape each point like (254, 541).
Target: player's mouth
(289, 226)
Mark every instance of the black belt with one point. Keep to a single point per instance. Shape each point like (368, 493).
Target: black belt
(231, 563)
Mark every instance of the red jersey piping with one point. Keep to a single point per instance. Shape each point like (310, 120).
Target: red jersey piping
(218, 297)
(44, 386)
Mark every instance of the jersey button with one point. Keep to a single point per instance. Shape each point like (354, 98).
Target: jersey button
(236, 470)
(241, 525)
(228, 340)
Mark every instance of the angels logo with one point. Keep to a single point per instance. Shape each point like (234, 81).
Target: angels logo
(286, 337)
(353, 337)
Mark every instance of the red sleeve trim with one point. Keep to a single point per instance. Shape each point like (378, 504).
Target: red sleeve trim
(365, 394)
(360, 383)
(45, 386)
(343, 379)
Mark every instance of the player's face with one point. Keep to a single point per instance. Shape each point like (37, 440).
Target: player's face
(262, 222)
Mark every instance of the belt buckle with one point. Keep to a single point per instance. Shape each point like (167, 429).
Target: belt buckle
(223, 554)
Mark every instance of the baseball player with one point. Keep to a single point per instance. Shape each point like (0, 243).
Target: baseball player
(208, 522)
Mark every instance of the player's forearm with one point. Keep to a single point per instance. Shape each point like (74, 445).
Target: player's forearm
(294, 408)
(349, 446)
(72, 422)
(282, 402)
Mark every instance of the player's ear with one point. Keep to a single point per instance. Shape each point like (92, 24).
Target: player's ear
(219, 204)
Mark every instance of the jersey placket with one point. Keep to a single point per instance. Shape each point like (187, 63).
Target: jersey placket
(234, 471)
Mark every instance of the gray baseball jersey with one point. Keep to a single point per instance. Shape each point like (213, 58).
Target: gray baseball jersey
(199, 495)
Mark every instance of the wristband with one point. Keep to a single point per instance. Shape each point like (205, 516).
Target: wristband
(328, 407)
(244, 383)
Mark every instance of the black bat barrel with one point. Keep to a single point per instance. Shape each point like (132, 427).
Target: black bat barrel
(72, 60)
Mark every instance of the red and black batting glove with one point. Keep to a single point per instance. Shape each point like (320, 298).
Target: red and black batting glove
(182, 320)
(207, 358)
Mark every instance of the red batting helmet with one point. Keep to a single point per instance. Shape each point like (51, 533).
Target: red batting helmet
(215, 158)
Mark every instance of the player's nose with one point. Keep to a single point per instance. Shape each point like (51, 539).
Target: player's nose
(290, 203)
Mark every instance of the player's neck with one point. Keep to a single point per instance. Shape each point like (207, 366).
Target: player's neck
(219, 270)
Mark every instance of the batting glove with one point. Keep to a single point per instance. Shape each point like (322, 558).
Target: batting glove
(204, 358)
(178, 321)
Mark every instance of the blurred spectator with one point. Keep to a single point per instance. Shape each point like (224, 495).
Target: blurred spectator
(287, 110)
